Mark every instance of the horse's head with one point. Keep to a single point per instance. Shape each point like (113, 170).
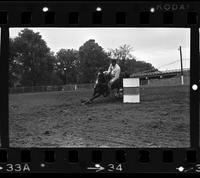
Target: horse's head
(101, 81)
(101, 78)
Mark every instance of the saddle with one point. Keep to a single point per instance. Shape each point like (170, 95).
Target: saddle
(102, 85)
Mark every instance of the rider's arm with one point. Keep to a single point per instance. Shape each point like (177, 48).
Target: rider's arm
(108, 71)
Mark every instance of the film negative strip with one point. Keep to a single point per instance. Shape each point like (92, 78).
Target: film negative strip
(64, 104)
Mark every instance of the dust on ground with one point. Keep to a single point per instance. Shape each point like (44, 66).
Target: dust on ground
(58, 119)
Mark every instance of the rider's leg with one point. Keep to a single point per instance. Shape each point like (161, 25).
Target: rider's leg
(115, 85)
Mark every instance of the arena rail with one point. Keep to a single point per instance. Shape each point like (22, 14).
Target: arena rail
(174, 81)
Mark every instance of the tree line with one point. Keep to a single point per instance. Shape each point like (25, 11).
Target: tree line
(32, 63)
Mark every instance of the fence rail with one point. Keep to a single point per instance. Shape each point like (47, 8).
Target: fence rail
(49, 88)
(73, 87)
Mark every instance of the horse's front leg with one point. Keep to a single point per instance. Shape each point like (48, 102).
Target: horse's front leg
(91, 99)
(94, 97)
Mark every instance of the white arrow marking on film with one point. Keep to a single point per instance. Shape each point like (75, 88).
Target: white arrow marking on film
(97, 168)
(180, 169)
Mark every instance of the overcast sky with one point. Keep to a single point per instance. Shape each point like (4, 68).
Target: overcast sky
(159, 46)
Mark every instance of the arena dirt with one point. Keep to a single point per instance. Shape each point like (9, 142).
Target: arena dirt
(58, 119)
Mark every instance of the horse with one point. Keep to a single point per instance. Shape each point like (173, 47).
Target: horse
(101, 86)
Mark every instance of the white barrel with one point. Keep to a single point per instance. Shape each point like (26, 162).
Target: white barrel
(131, 87)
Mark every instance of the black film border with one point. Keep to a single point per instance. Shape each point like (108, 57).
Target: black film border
(113, 14)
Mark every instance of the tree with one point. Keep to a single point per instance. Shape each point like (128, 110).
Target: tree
(92, 56)
(142, 66)
(31, 54)
(67, 65)
(123, 55)
(46, 68)
(127, 61)
(15, 67)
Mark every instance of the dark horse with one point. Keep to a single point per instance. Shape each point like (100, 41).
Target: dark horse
(101, 85)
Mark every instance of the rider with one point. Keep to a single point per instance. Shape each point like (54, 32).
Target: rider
(114, 71)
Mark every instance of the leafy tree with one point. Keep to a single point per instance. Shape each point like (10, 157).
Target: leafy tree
(15, 67)
(127, 61)
(30, 53)
(67, 65)
(31, 62)
(122, 54)
(92, 56)
(142, 66)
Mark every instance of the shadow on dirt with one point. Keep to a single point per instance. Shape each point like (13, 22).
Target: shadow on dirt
(109, 100)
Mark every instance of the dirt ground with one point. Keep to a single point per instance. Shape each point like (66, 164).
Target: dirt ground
(58, 119)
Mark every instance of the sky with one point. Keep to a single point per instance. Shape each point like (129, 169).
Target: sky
(158, 46)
